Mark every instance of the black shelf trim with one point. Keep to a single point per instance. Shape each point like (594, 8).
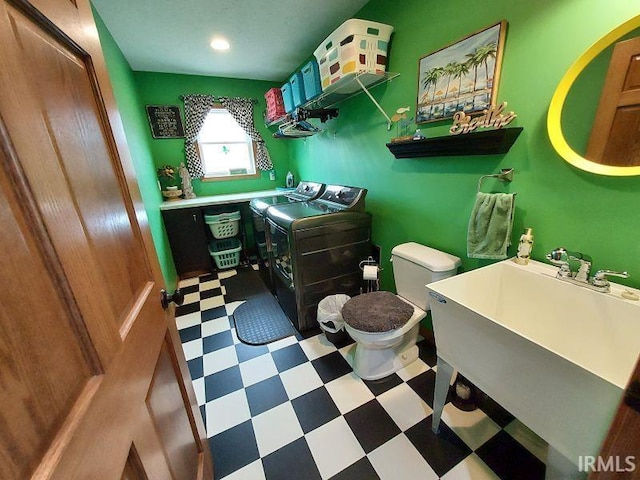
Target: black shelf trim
(485, 142)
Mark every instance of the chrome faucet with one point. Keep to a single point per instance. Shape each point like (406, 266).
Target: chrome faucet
(561, 257)
(599, 282)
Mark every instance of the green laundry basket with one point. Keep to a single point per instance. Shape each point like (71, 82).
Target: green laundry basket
(226, 253)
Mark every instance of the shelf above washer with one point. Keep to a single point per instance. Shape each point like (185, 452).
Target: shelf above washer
(347, 87)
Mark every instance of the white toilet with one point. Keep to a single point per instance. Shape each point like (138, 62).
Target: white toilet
(378, 354)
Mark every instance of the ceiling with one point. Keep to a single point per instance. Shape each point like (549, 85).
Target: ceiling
(269, 39)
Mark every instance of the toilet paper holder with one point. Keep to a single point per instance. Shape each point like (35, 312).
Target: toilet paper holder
(370, 262)
(370, 270)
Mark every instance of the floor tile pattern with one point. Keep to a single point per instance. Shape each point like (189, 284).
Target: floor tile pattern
(294, 409)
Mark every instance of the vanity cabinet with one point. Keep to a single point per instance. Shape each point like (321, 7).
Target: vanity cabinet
(188, 240)
(189, 235)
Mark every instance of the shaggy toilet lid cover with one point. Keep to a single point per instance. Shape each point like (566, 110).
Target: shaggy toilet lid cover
(376, 312)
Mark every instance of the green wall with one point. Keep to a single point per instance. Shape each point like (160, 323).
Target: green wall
(428, 200)
(136, 129)
(166, 89)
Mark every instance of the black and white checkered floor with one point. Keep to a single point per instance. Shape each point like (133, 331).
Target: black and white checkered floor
(294, 409)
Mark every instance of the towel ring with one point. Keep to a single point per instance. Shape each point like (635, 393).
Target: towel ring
(505, 175)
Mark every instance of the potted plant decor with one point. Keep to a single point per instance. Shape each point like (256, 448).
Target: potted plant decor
(169, 182)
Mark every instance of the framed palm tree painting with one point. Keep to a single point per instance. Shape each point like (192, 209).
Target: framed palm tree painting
(462, 76)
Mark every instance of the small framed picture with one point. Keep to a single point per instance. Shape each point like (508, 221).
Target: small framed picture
(165, 121)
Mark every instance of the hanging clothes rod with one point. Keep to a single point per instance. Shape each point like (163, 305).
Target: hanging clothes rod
(505, 175)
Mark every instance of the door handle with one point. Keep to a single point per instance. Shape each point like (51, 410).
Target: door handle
(176, 297)
(632, 396)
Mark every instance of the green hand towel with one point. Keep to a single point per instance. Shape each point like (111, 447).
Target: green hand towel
(490, 226)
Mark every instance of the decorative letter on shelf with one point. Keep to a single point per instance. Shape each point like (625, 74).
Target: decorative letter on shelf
(492, 118)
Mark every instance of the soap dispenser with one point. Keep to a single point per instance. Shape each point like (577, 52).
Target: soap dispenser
(524, 247)
(290, 181)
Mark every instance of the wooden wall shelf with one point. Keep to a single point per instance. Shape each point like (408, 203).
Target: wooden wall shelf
(485, 142)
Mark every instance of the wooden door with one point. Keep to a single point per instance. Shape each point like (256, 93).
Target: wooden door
(621, 448)
(614, 138)
(92, 375)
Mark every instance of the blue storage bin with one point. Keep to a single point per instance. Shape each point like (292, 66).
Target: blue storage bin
(287, 97)
(297, 89)
(311, 80)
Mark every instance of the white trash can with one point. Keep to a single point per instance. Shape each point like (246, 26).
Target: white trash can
(330, 317)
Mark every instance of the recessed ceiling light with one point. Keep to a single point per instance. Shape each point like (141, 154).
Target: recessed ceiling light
(219, 44)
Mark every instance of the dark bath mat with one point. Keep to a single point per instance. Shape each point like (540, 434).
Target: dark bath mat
(260, 320)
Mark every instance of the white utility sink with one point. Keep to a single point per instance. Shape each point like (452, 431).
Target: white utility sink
(556, 355)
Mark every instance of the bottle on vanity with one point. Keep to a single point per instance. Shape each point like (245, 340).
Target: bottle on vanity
(290, 180)
(524, 247)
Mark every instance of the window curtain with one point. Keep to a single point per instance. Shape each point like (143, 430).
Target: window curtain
(241, 109)
(196, 108)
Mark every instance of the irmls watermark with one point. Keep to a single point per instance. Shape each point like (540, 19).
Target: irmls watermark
(615, 463)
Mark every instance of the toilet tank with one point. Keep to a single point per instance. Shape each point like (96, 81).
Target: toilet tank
(416, 265)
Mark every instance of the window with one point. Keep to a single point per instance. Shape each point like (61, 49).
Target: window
(225, 148)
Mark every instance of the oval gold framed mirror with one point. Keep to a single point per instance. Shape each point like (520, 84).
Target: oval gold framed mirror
(554, 117)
